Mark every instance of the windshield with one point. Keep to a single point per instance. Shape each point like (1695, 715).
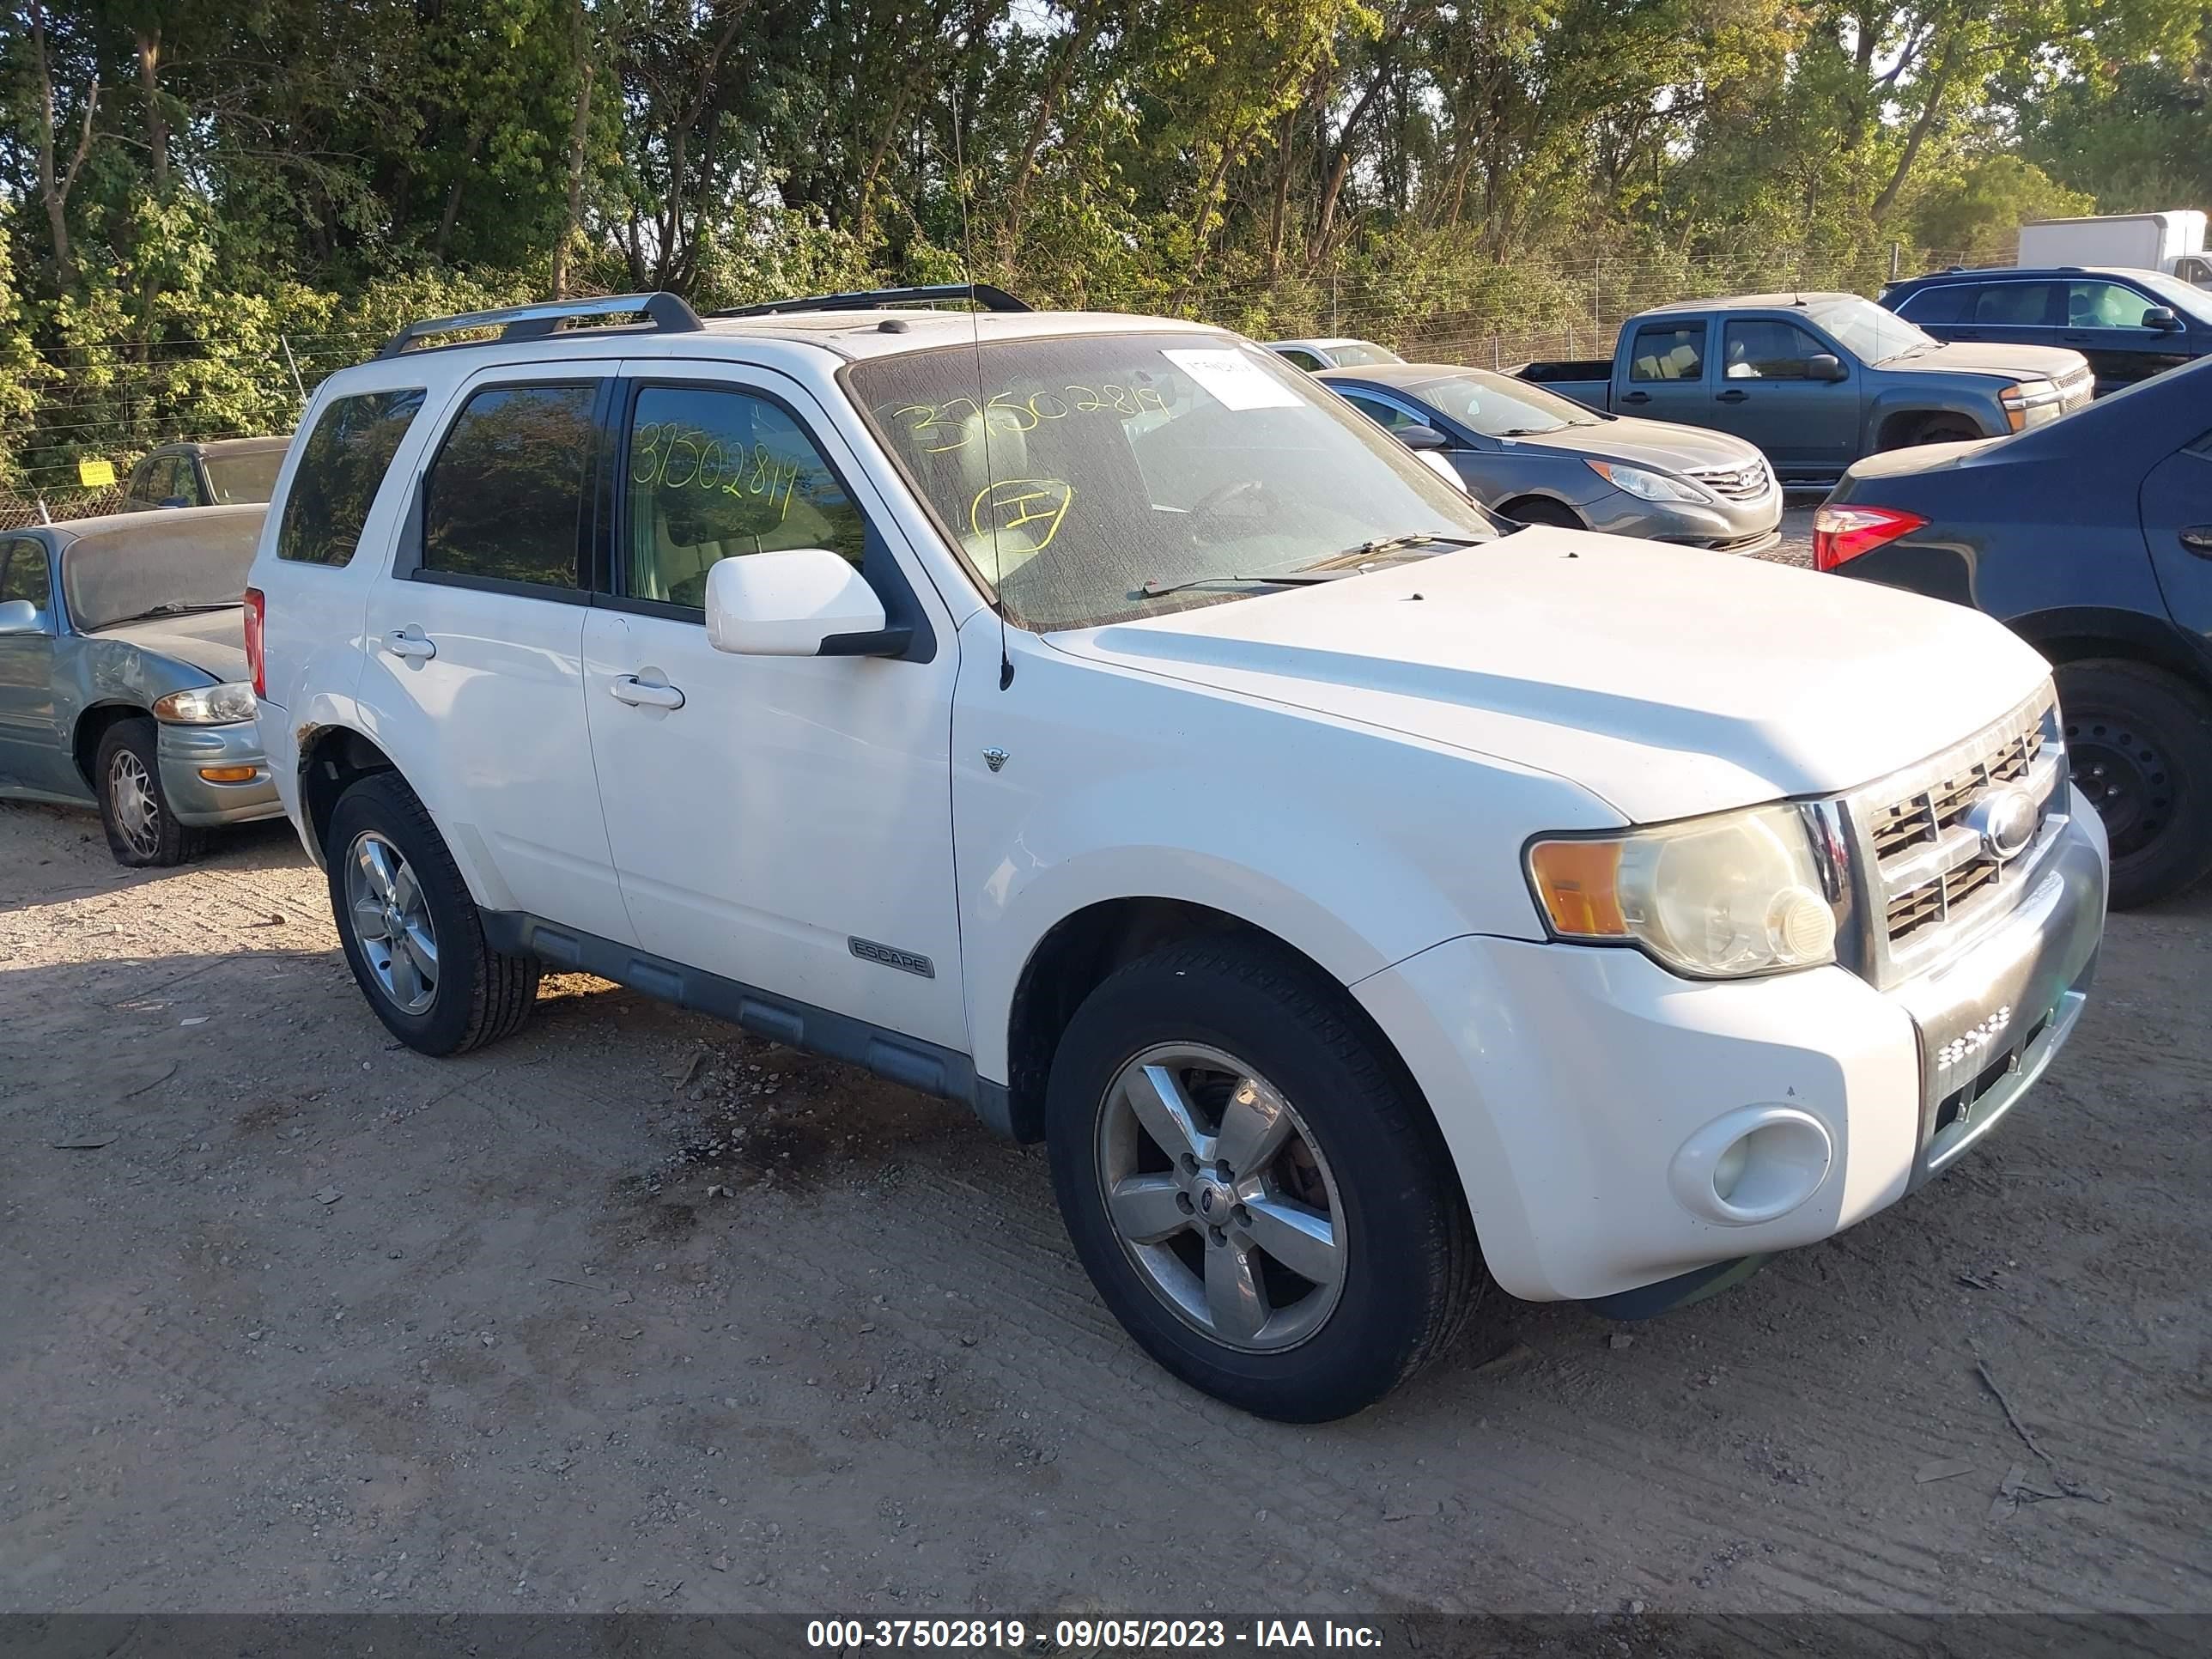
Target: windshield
(248, 477)
(1111, 462)
(2192, 302)
(1498, 407)
(1359, 354)
(1871, 333)
(163, 563)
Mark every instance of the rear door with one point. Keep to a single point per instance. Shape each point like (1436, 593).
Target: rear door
(476, 642)
(2011, 313)
(1667, 373)
(2177, 525)
(1765, 394)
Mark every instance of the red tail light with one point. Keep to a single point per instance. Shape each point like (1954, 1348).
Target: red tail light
(1844, 532)
(255, 658)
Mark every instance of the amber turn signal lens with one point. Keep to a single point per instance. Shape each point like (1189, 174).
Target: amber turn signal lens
(1578, 882)
(227, 774)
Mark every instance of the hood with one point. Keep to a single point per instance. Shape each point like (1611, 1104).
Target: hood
(1664, 444)
(1668, 681)
(213, 641)
(2013, 363)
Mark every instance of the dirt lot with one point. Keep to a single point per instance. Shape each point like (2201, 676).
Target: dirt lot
(636, 1311)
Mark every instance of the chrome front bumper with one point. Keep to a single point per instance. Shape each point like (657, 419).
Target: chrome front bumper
(184, 752)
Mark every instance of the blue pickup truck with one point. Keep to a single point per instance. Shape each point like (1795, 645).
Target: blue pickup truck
(1817, 381)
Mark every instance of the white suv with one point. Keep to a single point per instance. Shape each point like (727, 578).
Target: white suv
(1095, 719)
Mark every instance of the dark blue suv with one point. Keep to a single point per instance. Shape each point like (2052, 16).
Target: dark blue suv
(2130, 325)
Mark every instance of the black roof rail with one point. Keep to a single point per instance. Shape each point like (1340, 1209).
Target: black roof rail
(665, 313)
(982, 294)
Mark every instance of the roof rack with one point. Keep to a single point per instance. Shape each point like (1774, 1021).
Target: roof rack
(982, 294)
(665, 313)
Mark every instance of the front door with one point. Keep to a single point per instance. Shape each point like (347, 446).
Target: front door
(33, 755)
(477, 641)
(784, 823)
(2104, 323)
(1767, 394)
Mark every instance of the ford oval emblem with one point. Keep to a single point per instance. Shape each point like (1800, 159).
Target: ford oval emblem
(2005, 820)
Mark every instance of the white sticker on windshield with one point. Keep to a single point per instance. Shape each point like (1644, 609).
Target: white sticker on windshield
(1235, 380)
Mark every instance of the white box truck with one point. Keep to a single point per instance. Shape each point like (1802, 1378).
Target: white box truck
(2172, 242)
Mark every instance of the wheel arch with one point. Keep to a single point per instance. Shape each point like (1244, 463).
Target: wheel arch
(2083, 633)
(1520, 497)
(92, 724)
(331, 759)
(1893, 423)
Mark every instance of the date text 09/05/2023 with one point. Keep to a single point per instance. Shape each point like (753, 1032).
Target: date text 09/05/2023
(1088, 1636)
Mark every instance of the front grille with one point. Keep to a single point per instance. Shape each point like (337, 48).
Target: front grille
(1735, 483)
(1929, 871)
(2076, 388)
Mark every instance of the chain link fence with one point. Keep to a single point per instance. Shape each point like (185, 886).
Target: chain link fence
(113, 401)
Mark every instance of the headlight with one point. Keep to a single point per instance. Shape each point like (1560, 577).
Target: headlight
(2027, 395)
(1647, 485)
(1717, 897)
(207, 705)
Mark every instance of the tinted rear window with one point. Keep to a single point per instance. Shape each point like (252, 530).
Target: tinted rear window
(345, 460)
(504, 495)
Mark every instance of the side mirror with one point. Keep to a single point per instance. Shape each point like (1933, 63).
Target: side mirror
(1825, 366)
(1420, 437)
(19, 617)
(2160, 317)
(807, 602)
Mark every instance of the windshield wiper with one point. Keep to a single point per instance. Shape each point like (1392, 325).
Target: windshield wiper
(172, 609)
(1153, 589)
(1392, 543)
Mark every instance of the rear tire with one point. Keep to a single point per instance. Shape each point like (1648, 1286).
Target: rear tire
(2139, 742)
(411, 933)
(142, 832)
(1542, 509)
(1305, 1248)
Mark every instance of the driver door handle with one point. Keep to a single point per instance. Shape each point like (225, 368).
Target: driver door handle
(1636, 397)
(1730, 397)
(2197, 539)
(641, 694)
(406, 642)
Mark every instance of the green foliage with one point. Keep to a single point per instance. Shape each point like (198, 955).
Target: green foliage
(205, 206)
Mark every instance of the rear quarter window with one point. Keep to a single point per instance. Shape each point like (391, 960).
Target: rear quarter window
(339, 473)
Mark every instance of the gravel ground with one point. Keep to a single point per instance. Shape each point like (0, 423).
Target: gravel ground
(635, 1311)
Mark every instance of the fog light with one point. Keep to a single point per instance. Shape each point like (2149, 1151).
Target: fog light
(1728, 1169)
(228, 773)
(1755, 1163)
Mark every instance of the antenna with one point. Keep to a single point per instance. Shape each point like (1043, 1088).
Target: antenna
(982, 409)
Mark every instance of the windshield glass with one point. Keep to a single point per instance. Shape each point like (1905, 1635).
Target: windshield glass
(1498, 407)
(161, 562)
(1874, 334)
(1109, 462)
(1359, 354)
(2193, 302)
(248, 477)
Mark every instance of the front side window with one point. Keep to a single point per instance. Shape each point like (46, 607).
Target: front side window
(23, 573)
(1668, 352)
(340, 471)
(1083, 475)
(715, 473)
(504, 500)
(150, 478)
(1389, 416)
(1767, 348)
(1304, 360)
(185, 487)
(2104, 305)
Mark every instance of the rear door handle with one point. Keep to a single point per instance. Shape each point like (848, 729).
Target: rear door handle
(1636, 397)
(405, 643)
(2197, 539)
(643, 694)
(1730, 397)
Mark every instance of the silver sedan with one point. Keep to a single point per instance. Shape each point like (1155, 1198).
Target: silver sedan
(1541, 459)
(124, 682)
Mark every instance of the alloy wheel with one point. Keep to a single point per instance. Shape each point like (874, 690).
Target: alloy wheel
(391, 922)
(137, 808)
(1221, 1197)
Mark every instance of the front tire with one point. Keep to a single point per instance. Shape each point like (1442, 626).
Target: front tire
(411, 930)
(142, 832)
(2139, 743)
(1252, 1183)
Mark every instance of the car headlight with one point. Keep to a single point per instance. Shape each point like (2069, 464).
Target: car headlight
(208, 705)
(2027, 395)
(1647, 485)
(1723, 896)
